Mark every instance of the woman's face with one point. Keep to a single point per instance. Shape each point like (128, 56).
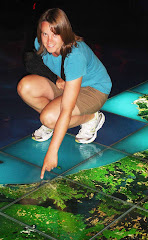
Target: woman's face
(51, 41)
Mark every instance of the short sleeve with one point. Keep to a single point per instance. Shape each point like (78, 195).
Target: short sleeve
(75, 66)
(36, 44)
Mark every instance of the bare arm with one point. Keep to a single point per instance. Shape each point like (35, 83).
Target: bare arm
(69, 98)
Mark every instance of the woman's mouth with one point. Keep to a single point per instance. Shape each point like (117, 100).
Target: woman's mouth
(51, 46)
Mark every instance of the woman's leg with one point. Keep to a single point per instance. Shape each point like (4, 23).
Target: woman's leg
(89, 101)
(90, 123)
(51, 112)
(35, 91)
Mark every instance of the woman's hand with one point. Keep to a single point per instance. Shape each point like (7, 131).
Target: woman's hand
(50, 162)
(60, 83)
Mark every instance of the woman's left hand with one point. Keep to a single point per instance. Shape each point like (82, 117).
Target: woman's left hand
(60, 83)
(50, 162)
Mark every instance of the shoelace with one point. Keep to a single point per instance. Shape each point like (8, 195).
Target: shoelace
(85, 129)
(42, 129)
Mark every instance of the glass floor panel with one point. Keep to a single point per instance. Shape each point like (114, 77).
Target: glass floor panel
(126, 178)
(142, 88)
(70, 153)
(132, 226)
(10, 230)
(65, 210)
(122, 104)
(16, 129)
(135, 143)
(14, 171)
(104, 158)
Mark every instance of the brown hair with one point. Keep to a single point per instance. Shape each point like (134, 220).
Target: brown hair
(59, 24)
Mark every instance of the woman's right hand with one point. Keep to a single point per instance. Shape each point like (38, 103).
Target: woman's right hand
(50, 162)
(60, 83)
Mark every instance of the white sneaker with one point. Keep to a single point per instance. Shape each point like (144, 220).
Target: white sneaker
(42, 134)
(88, 131)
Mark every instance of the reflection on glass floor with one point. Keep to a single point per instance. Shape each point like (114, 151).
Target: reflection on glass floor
(98, 190)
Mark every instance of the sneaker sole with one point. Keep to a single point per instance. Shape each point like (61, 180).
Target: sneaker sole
(41, 140)
(95, 135)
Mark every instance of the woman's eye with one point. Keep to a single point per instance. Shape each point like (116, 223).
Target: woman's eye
(44, 34)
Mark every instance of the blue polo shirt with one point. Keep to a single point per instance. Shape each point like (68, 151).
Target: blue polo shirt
(81, 62)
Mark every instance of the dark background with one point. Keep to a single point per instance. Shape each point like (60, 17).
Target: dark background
(121, 21)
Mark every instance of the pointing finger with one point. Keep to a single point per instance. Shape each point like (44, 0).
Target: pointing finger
(42, 172)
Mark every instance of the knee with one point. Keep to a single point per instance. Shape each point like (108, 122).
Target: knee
(48, 119)
(24, 86)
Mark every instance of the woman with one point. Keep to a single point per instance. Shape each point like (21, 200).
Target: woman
(66, 104)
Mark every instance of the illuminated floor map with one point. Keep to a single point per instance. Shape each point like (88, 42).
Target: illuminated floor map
(98, 190)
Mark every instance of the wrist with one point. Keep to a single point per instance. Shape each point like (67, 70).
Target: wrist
(53, 147)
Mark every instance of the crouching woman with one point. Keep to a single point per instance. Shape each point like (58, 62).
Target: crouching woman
(81, 90)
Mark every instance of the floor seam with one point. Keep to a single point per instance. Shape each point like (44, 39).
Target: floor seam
(116, 220)
(107, 148)
(26, 225)
(138, 130)
(123, 215)
(125, 117)
(27, 194)
(100, 192)
(14, 142)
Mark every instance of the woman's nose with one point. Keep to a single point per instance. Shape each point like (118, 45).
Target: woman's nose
(49, 39)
